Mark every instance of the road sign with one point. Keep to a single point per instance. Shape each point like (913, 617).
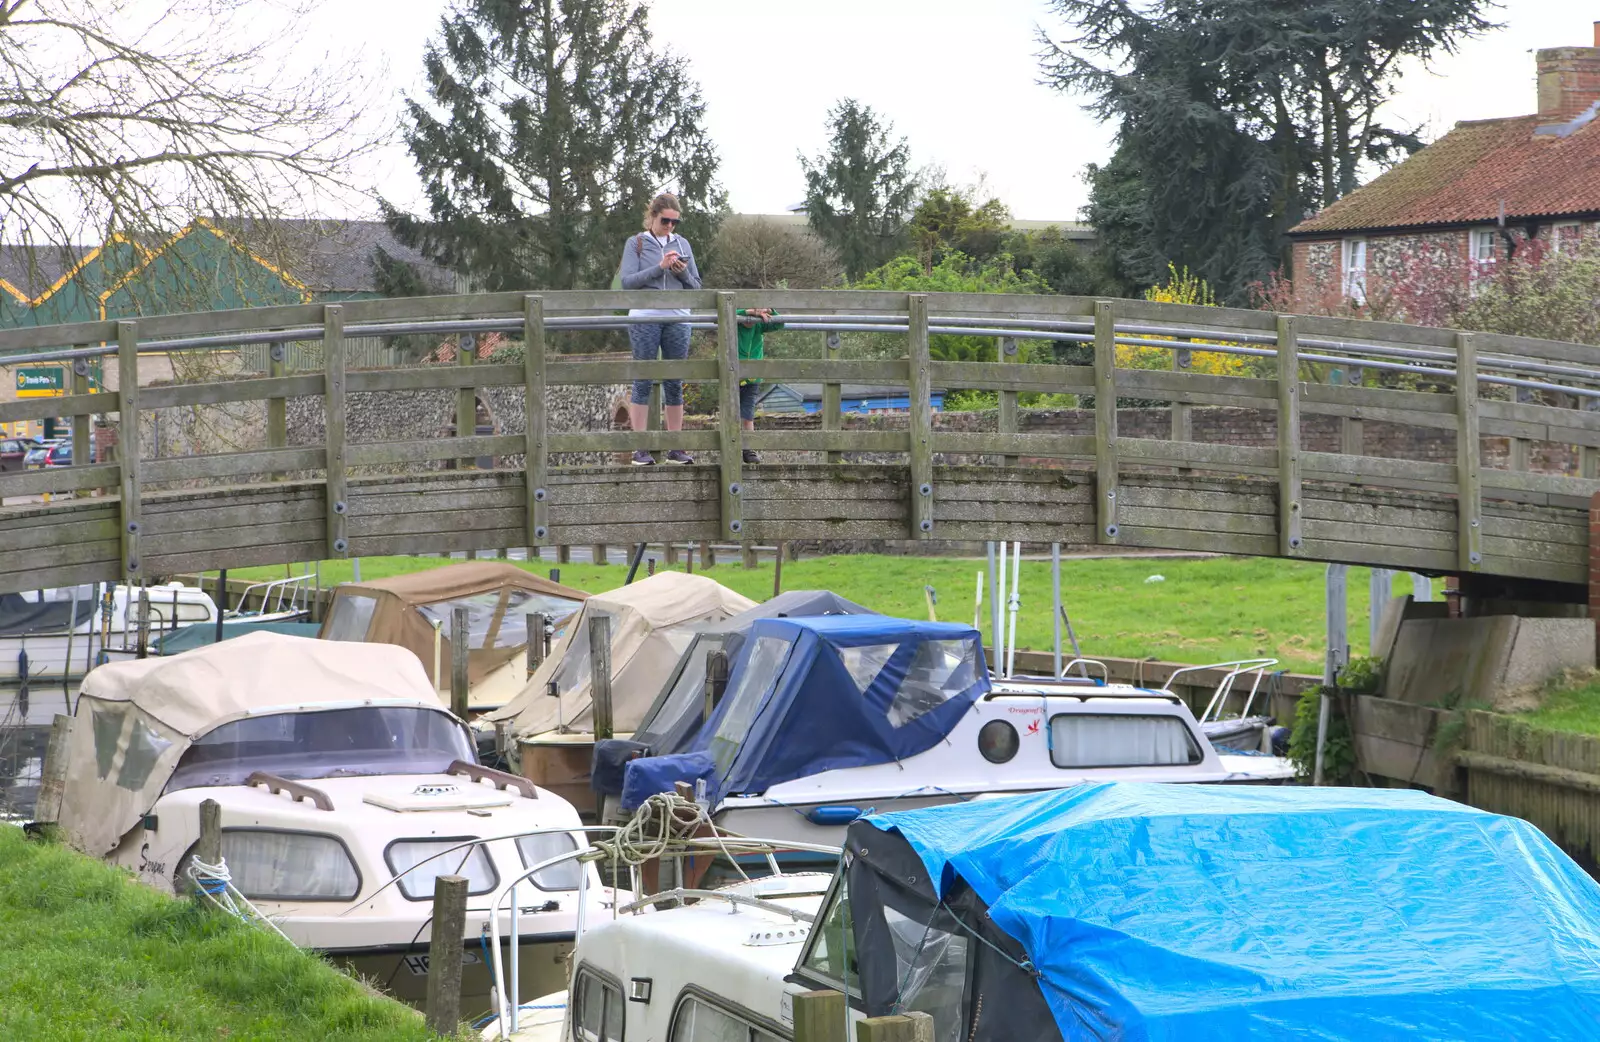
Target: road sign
(46, 381)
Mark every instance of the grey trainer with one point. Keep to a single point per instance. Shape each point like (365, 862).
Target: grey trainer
(679, 456)
(641, 458)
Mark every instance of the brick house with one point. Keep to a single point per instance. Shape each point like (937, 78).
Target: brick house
(1465, 203)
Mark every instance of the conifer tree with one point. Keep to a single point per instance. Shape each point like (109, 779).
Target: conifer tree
(860, 191)
(548, 126)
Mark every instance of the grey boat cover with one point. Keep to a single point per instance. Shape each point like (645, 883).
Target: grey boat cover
(19, 617)
(679, 710)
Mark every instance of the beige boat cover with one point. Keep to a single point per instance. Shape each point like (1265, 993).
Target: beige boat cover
(652, 622)
(496, 593)
(136, 718)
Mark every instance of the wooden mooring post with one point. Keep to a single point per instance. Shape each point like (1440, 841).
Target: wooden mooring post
(600, 674)
(53, 777)
(444, 954)
(459, 641)
(208, 848)
(821, 1016)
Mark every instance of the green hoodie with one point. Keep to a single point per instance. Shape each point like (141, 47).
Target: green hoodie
(752, 345)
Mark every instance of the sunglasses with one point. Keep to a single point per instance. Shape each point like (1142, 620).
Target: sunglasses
(673, 221)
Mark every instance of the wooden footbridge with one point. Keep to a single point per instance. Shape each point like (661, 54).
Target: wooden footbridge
(141, 516)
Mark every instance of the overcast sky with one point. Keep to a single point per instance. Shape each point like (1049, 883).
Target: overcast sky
(958, 79)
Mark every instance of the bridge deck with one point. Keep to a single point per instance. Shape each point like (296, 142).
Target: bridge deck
(143, 516)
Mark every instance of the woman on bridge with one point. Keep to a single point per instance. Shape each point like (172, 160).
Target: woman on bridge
(659, 258)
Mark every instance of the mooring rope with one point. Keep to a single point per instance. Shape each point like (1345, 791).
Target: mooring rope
(215, 884)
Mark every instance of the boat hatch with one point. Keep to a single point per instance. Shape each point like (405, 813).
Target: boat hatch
(439, 796)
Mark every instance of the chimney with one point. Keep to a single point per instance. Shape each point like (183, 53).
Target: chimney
(1569, 80)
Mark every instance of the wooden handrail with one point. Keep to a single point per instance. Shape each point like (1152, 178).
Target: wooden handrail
(295, 789)
(501, 779)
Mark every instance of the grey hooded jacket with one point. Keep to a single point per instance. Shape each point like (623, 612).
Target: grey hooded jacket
(641, 264)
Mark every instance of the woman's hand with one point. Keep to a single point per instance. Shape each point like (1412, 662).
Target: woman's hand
(670, 261)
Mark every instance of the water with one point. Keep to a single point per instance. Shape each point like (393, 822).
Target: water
(24, 733)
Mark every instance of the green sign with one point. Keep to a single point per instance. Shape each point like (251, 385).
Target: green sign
(41, 381)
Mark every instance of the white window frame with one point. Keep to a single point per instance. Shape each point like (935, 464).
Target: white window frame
(1481, 257)
(1556, 240)
(1353, 269)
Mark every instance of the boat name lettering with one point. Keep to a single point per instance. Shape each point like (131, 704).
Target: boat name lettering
(1020, 711)
(435, 789)
(418, 964)
(148, 867)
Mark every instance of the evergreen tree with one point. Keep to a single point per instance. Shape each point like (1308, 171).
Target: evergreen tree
(548, 126)
(860, 191)
(1237, 118)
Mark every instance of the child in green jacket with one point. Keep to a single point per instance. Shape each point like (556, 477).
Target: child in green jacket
(754, 324)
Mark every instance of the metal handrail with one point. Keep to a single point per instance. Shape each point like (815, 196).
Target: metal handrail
(294, 586)
(1219, 698)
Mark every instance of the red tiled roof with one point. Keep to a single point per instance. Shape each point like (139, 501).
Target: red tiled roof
(1465, 176)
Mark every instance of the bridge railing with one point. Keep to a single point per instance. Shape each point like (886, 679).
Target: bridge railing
(1473, 385)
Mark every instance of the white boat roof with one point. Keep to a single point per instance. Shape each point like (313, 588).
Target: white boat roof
(193, 692)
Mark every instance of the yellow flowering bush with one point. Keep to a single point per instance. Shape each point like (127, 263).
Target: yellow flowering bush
(1184, 287)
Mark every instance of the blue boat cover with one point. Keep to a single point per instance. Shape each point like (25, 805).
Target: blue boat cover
(648, 775)
(1194, 912)
(807, 695)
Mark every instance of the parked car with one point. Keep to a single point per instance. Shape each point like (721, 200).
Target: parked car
(35, 457)
(13, 451)
(58, 455)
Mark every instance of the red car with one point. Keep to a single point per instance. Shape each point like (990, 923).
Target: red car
(13, 451)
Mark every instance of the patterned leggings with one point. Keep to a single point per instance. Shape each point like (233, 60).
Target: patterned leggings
(669, 340)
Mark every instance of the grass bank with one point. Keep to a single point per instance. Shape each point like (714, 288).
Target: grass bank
(1570, 704)
(1202, 609)
(90, 954)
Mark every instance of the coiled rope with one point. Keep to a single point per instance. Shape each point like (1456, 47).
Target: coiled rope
(214, 884)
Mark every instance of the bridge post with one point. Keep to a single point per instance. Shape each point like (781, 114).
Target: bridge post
(277, 408)
(333, 407)
(831, 418)
(1589, 455)
(1288, 436)
(1007, 420)
(1469, 505)
(536, 433)
(81, 450)
(1182, 412)
(729, 432)
(128, 448)
(1105, 421)
(466, 399)
(920, 382)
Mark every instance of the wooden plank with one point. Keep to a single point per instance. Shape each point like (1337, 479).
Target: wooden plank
(1204, 542)
(377, 453)
(184, 500)
(128, 448)
(622, 441)
(66, 575)
(570, 514)
(66, 405)
(1385, 554)
(1440, 517)
(1105, 421)
(1557, 484)
(1381, 535)
(536, 434)
(1365, 331)
(1244, 501)
(232, 464)
(821, 370)
(1014, 376)
(1002, 513)
(1237, 392)
(333, 411)
(983, 531)
(564, 374)
(1140, 312)
(223, 540)
(729, 430)
(1413, 408)
(1545, 531)
(1238, 458)
(641, 532)
(920, 364)
(1076, 446)
(38, 536)
(1334, 466)
(37, 561)
(1529, 549)
(814, 510)
(1197, 520)
(226, 511)
(832, 441)
(250, 390)
(1289, 506)
(1469, 497)
(58, 479)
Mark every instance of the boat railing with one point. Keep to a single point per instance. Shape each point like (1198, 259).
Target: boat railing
(1083, 665)
(291, 594)
(1255, 668)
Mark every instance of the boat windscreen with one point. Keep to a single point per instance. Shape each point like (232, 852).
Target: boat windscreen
(361, 740)
(678, 716)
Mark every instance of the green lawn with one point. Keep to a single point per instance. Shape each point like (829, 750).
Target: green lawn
(1572, 706)
(88, 953)
(1206, 609)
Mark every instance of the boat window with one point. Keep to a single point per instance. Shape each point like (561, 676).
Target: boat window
(268, 864)
(543, 847)
(1121, 740)
(931, 965)
(597, 1011)
(481, 608)
(697, 1020)
(107, 730)
(145, 746)
(830, 950)
(759, 675)
(941, 670)
(864, 663)
(351, 615)
(414, 854)
(513, 631)
(681, 712)
(360, 740)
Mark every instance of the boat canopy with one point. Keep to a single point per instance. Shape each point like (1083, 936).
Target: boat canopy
(402, 610)
(652, 622)
(136, 718)
(808, 695)
(671, 723)
(1201, 912)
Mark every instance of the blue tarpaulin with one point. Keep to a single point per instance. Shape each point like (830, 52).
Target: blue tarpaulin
(1192, 912)
(807, 695)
